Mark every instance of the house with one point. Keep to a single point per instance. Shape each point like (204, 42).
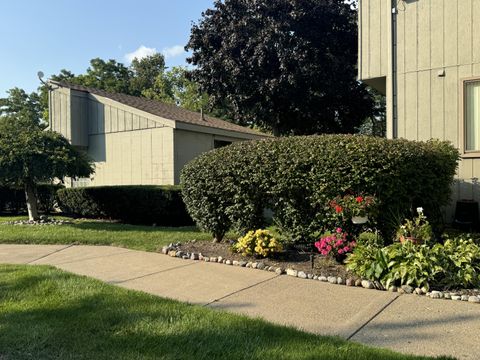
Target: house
(424, 55)
(133, 140)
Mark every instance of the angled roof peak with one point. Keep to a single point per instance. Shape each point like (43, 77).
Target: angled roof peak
(164, 110)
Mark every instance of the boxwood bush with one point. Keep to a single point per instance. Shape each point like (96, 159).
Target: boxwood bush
(160, 205)
(12, 199)
(297, 176)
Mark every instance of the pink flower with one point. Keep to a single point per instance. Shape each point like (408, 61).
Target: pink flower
(339, 230)
(340, 251)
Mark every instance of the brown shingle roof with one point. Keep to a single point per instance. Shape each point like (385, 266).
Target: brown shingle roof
(167, 111)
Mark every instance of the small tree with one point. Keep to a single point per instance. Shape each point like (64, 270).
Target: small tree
(29, 155)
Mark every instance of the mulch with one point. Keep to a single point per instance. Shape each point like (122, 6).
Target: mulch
(294, 258)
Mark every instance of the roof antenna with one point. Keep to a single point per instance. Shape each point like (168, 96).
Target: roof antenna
(40, 75)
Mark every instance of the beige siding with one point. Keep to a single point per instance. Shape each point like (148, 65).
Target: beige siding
(133, 157)
(68, 115)
(437, 47)
(127, 145)
(110, 118)
(373, 38)
(438, 51)
(188, 145)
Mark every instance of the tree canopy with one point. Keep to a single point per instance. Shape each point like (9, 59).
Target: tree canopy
(19, 103)
(29, 154)
(285, 65)
(146, 77)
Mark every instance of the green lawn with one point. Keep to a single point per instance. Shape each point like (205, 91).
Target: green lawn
(89, 232)
(46, 313)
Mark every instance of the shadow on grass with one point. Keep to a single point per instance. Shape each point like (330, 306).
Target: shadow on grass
(48, 314)
(105, 226)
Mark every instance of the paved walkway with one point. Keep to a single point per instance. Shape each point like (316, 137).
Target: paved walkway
(405, 323)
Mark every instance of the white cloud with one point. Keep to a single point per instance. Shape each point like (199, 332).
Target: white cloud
(173, 51)
(140, 53)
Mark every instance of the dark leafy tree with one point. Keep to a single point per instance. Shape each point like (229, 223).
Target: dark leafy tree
(284, 65)
(29, 155)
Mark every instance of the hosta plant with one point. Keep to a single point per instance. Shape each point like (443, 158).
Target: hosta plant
(456, 263)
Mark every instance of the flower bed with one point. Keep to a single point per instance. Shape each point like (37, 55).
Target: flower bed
(294, 259)
(298, 264)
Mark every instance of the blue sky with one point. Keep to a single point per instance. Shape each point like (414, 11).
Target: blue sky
(50, 35)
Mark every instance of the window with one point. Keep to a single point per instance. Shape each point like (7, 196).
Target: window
(81, 182)
(472, 115)
(220, 143)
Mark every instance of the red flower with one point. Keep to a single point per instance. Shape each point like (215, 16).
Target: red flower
(338, 209)
(359, 199)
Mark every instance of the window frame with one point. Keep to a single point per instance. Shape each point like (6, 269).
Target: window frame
(463, 119)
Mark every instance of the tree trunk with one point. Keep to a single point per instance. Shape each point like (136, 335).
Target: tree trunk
(217, 237)
(31, 198)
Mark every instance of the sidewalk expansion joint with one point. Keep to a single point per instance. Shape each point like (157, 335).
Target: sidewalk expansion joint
(71, 261)
(240, 290)
(154, 273)
(54, 252)
(382, 309)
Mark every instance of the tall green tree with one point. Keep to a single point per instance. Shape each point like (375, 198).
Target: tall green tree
(145, 71)
(29, 154)
(175, 87)
(284, 65)
(19, 103)
(107, 75)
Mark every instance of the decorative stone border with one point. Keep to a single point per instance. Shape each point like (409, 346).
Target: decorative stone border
(43, 221)
(173, 250)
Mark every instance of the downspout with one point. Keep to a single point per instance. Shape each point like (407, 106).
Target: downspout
(394, 71)
(49, 108)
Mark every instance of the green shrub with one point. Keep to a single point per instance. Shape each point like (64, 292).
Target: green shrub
(456, 263)
(297, 176)
(160, 205)
(258, 243)
(12, 199)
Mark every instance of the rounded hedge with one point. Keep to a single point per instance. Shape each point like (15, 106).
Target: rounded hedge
(297, 176)
(136, 204)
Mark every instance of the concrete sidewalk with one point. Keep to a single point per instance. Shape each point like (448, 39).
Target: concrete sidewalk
(406, 323)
